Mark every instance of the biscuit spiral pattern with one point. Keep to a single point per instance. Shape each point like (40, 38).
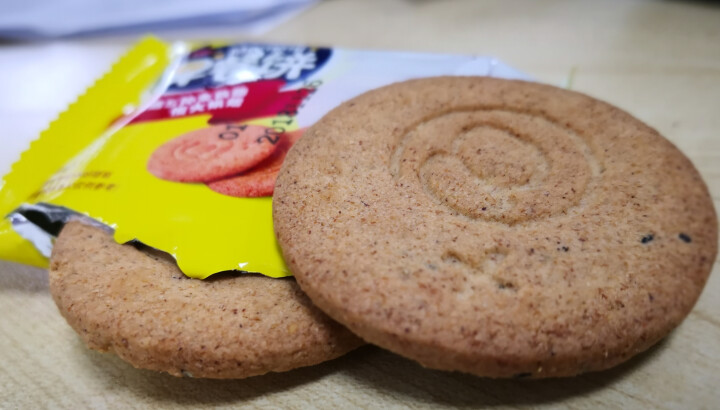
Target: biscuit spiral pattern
(497, 165)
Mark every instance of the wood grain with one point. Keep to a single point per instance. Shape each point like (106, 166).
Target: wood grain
(660, 60)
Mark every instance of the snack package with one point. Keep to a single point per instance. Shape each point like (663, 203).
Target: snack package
(178, 147)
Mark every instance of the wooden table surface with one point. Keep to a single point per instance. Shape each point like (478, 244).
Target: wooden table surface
(658, 59)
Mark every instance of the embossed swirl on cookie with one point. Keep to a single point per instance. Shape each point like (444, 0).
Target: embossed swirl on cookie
(501, 165)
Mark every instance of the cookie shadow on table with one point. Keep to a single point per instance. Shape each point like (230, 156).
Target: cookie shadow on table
(117, 376)
(23, 278)
(395, 376)
(369, 368)
(711, 3)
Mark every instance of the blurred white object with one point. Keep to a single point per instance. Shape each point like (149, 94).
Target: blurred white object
(30, 19)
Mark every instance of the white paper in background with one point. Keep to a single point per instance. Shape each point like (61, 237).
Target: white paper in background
(29, 19)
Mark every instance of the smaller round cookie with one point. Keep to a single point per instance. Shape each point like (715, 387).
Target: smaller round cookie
(138, 305)
(211, 153)
(260, 180)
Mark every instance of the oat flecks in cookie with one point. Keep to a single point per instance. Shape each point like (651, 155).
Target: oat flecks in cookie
(140, 306)
(495, 227)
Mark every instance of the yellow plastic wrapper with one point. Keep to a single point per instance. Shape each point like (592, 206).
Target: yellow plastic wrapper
(178, 146)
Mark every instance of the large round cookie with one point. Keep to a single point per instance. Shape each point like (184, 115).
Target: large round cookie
(495, 227)
(141, 307)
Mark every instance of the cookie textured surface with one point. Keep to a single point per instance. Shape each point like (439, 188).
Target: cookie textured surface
(260, 180)
(141, 307)
(495, 227)
(211, 153)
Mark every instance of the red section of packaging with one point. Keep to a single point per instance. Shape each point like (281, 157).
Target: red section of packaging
(230, 103)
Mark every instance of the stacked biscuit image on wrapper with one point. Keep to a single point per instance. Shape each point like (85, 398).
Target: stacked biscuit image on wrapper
(439, 206)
